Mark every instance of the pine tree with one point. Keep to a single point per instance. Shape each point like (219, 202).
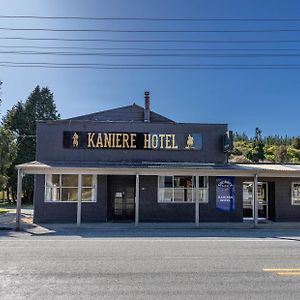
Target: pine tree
(21, 121)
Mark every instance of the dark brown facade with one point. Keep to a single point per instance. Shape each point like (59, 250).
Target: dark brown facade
(116, 193)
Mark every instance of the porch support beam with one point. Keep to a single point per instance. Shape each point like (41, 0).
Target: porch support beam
(137, 198)
(255, 200)
(19, 200)
(197, 202)
(79, 200)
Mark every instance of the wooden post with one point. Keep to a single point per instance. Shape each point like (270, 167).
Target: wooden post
(197, 202)
(255, 200)
(137, 198)
(19, 200)
(79, 200)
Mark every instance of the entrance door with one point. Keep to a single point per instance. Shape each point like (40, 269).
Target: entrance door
(121, 202)
(248, 200)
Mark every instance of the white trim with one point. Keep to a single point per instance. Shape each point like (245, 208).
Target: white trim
(79, 192)
(194, 190)
(197, 202)
(75, 187)
(156, 172)
(137, 199)
(266, 196)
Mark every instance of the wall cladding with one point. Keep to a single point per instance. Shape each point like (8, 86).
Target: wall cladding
(52, 134)
(283, 210)
(152, 211)
(67, 212)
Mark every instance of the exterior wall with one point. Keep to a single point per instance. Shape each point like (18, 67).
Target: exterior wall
(152, 211)
(51, 133)
(209, 212)
(62, 212)
(283, 209)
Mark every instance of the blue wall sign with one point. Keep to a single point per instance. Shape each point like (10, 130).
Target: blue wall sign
(225, 193)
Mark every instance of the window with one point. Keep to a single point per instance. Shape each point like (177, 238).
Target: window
(296, 193)
(64, 188)
(182, 189)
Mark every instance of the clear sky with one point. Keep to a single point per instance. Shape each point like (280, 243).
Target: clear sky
(245, 99)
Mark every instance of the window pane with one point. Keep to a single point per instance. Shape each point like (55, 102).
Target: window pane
(87, 180)
(88, 194)
(168, 195)
(168, 181)
(181, 181)
(189, 195)
(55, 180)
(69, 194)
(203, 195)
(296, 190)
(296, 193)
(52, 180)
(53, 194)
(69, 180)
(178, 195)
(203, 181)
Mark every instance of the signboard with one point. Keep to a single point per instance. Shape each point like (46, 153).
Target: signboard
(225, 193)
(132, 140)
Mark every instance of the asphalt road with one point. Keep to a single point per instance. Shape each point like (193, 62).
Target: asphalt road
(147, 266)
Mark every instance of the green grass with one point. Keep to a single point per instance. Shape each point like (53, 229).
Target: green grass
(13, 205)
(3, 210)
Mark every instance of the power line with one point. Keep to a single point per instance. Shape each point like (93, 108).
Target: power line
(152, 30)
(148, 49)
(150, 66)
(149, 18)
(224, 55)
(150, 40)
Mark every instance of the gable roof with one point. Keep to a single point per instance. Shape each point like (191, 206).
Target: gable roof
(129, 113)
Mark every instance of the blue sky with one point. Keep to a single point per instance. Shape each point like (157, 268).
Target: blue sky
(244, 99)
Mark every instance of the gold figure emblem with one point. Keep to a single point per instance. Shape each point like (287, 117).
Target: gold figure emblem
(75, 138)
(189, 142)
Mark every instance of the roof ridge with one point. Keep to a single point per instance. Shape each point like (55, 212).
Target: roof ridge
(134, 105)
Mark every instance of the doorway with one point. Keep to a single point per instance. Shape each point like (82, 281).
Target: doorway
(121, 198)
(248, 201)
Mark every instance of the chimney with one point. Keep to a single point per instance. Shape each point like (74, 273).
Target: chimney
(147, 107)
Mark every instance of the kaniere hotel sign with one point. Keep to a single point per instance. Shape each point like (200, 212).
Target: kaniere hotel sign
(131, 140)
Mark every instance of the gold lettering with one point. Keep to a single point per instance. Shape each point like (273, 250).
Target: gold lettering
(174, 146)
(99, 143)
(118, 140)
(132, 140)
(107, 140)
(162, 136)
(147, 141)
(154, 141)
(91, 143)
(113, 140)
(168, 141)
(125, 140)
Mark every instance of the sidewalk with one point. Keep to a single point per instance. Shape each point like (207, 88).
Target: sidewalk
(7, 222)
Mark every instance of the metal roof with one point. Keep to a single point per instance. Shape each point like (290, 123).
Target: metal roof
(152, 168)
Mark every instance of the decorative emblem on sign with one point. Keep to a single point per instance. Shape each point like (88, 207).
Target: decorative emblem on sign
(189, 142)
(75, 138)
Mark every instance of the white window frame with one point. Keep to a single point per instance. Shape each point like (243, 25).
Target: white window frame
(292, 194)
(94, 176)
(160, 190)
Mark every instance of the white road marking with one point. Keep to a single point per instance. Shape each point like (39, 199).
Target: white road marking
(150, 239)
